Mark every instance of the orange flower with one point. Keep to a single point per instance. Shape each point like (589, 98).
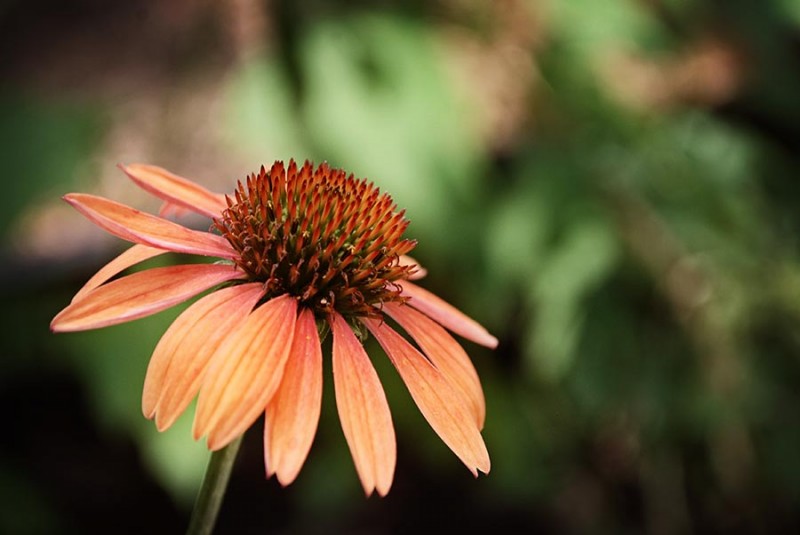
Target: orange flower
(302, 250)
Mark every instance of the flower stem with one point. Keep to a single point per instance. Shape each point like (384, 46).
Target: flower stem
(215, 482)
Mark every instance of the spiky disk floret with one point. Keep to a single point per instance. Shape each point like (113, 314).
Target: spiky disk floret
(328, 239)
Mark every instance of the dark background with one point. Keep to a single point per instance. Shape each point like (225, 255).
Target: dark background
(611, 187)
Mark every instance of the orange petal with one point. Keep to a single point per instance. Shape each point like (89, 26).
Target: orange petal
(244, 372)
(134, 255)
(182, 355)
(140, 294)
(440, 403)
(293, 413)
(363, 410)
(419, 273)
(445, 353)
(132, 225)
(176, 190)
(169, 210)
(447, 315)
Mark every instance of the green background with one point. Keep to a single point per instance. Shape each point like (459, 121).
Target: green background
(611, 187)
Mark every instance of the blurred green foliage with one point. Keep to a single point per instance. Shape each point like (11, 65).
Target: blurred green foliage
(635, 248)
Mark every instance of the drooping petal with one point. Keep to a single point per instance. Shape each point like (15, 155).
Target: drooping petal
(182, 355)
(132, 256)
(363, 410)
(445, 353)
(175, 189)
(136, 226)
(447, 315)
(244, 372)
(419, 273)
(140, 294)
(440, 403)
(293, 413)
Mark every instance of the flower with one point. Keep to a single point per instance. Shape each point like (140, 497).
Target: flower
(301, 250)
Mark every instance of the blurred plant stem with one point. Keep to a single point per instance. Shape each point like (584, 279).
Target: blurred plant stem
(215, 482)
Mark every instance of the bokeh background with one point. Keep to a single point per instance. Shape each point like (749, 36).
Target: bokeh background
(610, 186)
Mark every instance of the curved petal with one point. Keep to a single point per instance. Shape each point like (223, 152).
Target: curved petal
(175, 189)
(132, 256)
(244, 372)
(182, 355)
(418, 273)
(293, 413)
(445, 353)
(363, 410)
(138, 227)
(441, 404)
(447, 315)
(140, 294)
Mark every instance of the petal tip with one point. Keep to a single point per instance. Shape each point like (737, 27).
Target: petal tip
(284, 479)
(197, 431)
(485, 465)
(162, 424)
(214, 444)
(383, 490)
(490, 341)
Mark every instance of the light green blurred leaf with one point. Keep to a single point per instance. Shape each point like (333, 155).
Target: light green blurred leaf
(593, 29)
(519, 230)
(378, 103)
(575, 267)
(262, 122)
(792, 9)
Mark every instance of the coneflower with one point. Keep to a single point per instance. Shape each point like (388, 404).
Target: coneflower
(302, 251)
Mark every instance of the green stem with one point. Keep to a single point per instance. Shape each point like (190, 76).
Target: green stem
(215, 482)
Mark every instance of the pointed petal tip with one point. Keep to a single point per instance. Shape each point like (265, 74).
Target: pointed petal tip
(215, 443)
(383, 490)
(285, 479)
(163, 424)
(484, 463)
(197, 431)
(148, 409)
(58, 325)
(380, 488)
(480, 469)
(490, 341)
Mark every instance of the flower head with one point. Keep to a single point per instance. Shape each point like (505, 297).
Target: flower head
(300, 249)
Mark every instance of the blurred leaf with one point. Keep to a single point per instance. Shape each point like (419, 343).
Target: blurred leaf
(593, 29)
(579, 262)
(519, 232)
(792, 9)
(378, 103)
(261, 118)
